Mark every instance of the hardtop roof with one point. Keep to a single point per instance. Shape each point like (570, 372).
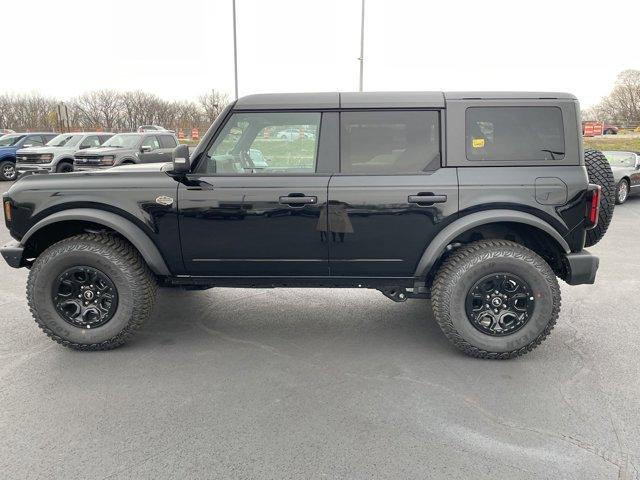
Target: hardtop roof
(331, 100)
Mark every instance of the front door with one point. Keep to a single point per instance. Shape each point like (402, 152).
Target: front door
(391, 197)
(150, 151)
(262, 219)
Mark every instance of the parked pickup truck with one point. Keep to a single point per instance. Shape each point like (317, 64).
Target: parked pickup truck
(127, 148)
(397, 192)
(11, 143)
(57, 155)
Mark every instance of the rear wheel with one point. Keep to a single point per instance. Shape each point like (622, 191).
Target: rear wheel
(600, 173)
(90, 292)
(495, 299)
(622, 192)
(8, 170)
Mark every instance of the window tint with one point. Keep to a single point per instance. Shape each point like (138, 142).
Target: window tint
(91, 141)
(389, 142)
(151, 142)
(514, 133)
(167, 141)
(265, 143)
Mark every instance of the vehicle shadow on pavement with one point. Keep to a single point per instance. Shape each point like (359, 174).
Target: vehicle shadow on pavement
(294, 317)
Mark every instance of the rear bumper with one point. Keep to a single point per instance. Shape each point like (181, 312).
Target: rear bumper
(582, 268)
(13, 253)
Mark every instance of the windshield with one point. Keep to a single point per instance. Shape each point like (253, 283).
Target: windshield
(9, 140)
(64, 140)
(621, 159)
(122, 141)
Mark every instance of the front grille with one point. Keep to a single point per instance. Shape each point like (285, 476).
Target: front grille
(87, 160)
(30, 158)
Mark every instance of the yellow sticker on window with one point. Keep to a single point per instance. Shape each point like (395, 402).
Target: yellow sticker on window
(477, 143)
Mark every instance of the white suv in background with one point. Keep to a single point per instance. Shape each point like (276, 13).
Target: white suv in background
(57, 155)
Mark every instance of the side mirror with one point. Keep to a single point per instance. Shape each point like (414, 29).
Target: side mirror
(181, 162)
(145, 148)
(82, 147)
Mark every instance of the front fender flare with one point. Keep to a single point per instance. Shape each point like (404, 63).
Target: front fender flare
(438, 245)
(124, 227)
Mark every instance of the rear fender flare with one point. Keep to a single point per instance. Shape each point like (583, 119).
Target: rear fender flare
(124, 227)
(439, 244)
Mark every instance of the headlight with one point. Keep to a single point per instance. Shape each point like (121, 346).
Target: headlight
(107, 160)
(44, 158)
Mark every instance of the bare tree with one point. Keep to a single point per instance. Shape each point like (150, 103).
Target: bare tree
(622, 105)
(213, 103)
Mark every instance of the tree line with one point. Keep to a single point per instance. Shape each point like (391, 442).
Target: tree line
(109, 111)
(622, 105)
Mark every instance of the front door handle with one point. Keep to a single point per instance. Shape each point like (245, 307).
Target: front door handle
(298, 200)
(426, 199)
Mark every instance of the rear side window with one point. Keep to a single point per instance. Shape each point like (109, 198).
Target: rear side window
(167, 141)
(388, 142)
(514, 134)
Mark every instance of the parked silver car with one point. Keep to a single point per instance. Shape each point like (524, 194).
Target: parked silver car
(57, 155)
(626, 173)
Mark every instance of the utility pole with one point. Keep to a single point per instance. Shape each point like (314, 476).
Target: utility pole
(361, 46)
(235, 49)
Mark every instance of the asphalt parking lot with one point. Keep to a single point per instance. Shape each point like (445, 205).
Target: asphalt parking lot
(235, 383)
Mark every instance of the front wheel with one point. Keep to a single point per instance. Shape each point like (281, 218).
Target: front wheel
(622, 192)
(90, 292)
(8, 171)
(64, 167)
(495, 299)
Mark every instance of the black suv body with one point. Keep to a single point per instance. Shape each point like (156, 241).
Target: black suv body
(477, 200)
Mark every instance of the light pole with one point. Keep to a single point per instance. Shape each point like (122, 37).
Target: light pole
(235, 49)
(361, 46)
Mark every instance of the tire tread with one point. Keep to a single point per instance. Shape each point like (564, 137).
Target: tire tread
(456, 266)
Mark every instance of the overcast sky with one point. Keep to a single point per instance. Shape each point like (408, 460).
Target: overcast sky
(179, 49)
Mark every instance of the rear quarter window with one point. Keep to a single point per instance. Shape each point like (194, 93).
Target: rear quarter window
(514, 134)
(167, 141)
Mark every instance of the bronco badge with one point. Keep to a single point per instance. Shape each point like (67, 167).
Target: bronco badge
(164, 200)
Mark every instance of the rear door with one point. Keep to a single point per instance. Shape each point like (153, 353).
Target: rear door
(240, 218)
(167, 144)
(391, 196)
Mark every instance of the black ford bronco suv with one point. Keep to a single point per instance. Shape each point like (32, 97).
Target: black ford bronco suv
(478, 201)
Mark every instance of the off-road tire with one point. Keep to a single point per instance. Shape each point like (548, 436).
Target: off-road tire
(600, 173)
(466, 266)
(3, 165)
(121, 262)
(64, 167)
(619, 200)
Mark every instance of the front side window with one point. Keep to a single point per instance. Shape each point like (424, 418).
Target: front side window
(389, 142)
(514, 133)
(265, 143)
(33, 141)
(151, 142)
(90, 142)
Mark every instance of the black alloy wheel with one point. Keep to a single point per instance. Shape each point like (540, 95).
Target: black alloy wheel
(499, 304)
(84, 297)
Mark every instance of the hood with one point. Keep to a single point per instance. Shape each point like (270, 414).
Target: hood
(44, 149)
(101, 151)
(7, 150)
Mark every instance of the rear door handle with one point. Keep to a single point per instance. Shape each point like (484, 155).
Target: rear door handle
(425, 199)
(298, 200)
